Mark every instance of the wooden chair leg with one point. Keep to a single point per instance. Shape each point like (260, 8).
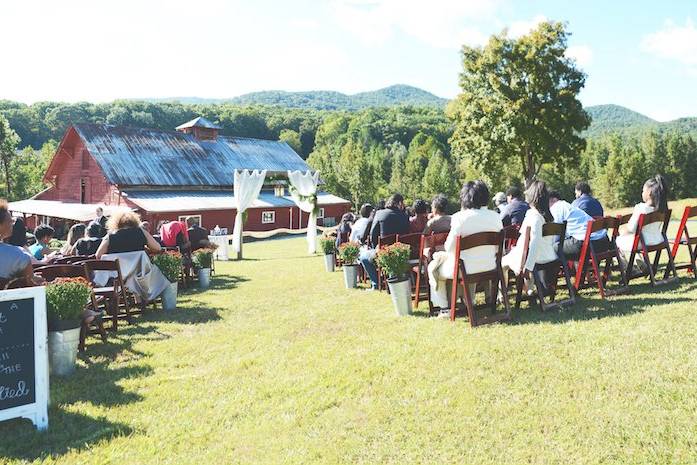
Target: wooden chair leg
(417, 291)
(84, 329)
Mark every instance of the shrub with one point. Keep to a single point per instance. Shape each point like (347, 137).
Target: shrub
(202, 258)
(66, 298)
(393, 259)
(327, 245)
(170, 263)
(348, 252)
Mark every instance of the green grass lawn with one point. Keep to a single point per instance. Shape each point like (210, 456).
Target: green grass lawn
(278, 363)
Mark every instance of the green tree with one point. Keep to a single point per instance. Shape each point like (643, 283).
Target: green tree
(439, 178)
(28, 168)
(518, 108)
(8, 150)
(292, 138)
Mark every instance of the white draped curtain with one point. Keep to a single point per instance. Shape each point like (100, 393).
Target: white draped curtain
(304, 193)
(246, 188)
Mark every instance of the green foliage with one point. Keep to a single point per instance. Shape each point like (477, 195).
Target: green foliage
(170, 263)
(393, 260)
(327, 245)
(8, 150)
(66, 298)
(291, 138)
(202, 258)
(348, 252)
(518, 108)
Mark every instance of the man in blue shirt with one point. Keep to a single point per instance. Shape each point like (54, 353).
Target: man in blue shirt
(586, 202)
(514, 211)
(576, 226)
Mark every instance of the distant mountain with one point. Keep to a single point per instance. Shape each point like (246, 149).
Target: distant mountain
(616, 118)
(391, 96)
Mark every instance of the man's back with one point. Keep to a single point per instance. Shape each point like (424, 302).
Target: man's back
(589, 204)
(514, 213)
(388, 221)
(198, 237)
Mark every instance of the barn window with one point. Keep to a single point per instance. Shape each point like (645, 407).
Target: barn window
(320, 215)
(268, 217)
(197, 218)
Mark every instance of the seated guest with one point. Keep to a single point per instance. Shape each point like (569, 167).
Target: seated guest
(390, 220)
(655, 198)
(540, 248)
(197, 235)
(576, 225)
(358, 229)
(417, 223)
(41, 251)
(500, 202)
(19, 234)
(584, 201)
(343, 231)
(174, 234)
(515, 209)
(474, 217)
(126, 235)
(101, 220)
(14, 261)
(74, 234)
(439, 221)
(89, 244)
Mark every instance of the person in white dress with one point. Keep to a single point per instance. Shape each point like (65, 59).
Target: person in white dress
(540, 248)
(474, 217)
(655, 198)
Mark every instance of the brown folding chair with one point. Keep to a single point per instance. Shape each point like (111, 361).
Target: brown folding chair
(51, 272)
(461, 277)
(413, 240)
(551, 272)
(639, 246)
(683, 238)
(591, 260)
(72, 259)
(384, 241)
(114, 292)
(3, 283)
(18, 283)
(428, 245)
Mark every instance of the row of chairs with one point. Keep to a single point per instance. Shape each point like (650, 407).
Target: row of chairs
(593, 268)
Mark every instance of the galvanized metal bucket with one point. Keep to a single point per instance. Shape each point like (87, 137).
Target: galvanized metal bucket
(62, 351)
(329, 262)
(400, 291)
(169, 297)
(350, 276)
(204, 278)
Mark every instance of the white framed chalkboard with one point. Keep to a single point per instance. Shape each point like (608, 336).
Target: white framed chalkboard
(24, 355)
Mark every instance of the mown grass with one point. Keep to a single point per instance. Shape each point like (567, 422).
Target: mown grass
(278, 363)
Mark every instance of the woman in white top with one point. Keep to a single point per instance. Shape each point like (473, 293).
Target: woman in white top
(474, 217)
(540, 248)
(655, 196)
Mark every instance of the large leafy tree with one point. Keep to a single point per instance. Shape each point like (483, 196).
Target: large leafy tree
(518, 108)
(8, 149)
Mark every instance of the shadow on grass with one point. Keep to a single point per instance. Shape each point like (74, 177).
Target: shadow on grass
(67, 431)
(225, 281)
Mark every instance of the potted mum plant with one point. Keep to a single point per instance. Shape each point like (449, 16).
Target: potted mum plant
(348, 253)
(170, 263)
(328, 247)
(393, 261)
(66, 299)
(203, 258)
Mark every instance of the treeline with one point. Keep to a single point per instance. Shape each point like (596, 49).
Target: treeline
(367, 154)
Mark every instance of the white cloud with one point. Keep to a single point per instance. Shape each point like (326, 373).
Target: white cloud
(520, 28)
(673, 42)
(440, 23)
(581, 53)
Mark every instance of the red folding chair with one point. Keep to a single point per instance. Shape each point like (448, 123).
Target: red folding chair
(639, 246)
(491, 277)
(511, 233)
(591, 259)
(683, 238)
(428, 245)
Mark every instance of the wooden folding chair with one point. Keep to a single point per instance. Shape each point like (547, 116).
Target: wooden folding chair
(384, 241)
(51, 272)
(639, 246)
(18, 283)
(683, 238)
(118, 303)
(491, 277)
(428, 245)
(413, 240)
(72, 259)
(591, 259)
(511, 233)
(546, 291)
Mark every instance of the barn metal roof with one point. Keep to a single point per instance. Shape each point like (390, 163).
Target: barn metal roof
(173, 201)
(149, 157)
(199, 122)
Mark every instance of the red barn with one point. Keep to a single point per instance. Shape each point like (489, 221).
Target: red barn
(168, 175)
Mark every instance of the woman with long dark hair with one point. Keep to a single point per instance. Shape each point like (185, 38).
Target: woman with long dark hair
(540, 248)
(655, 198)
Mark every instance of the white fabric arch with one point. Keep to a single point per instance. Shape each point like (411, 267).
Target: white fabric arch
(304, 193)
(246, 190)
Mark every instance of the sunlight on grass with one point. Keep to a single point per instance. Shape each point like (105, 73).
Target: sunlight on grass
(279, 363)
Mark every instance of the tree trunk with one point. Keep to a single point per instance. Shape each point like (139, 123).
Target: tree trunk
(529, 167)
(8, 182)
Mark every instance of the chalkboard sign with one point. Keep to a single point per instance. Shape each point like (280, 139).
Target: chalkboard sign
(23, 355)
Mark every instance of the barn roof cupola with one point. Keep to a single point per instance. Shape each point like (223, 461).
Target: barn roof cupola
(201, 128)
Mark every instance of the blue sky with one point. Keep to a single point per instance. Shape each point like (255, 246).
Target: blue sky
(640, 54)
